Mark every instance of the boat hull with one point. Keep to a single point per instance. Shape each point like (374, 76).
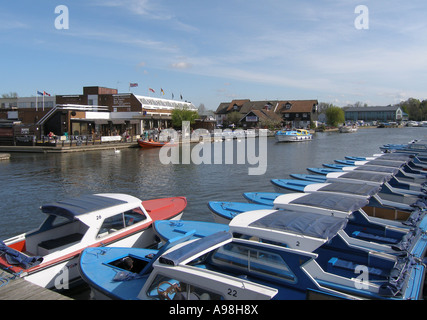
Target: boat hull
(154, 144)
(293, 138)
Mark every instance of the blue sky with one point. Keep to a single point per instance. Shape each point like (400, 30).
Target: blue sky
(216, 51)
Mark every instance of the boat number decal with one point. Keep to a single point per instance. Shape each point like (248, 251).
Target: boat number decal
(232, 292)
(98, 217)
(298, 243)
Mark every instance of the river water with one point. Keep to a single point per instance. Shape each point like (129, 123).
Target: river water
(30, 180)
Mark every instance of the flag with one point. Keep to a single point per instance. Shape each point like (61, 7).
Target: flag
(133, 85)
(173, 96)
(162, 91)
(181, 96)
(39, 93)
(46, 94)
(151, 90)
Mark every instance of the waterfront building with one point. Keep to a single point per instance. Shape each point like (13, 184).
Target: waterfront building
(291, 113)
(98, 111)
(370, 114)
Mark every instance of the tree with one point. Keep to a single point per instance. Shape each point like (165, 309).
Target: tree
(423, 107)
(183, 114)
(334, 116)
(234, 117)
(412, 108)
(10, 95)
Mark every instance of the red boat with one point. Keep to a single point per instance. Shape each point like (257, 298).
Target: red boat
(154, 144)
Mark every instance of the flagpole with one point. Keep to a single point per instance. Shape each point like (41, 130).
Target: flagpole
(37, 100)
(43, 100)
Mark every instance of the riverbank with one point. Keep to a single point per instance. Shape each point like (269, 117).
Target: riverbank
(66, 149)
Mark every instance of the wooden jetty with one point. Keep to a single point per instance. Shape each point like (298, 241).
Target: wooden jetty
(20, 289)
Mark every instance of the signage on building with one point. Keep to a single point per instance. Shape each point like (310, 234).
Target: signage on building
(251, 119)
(121, 100)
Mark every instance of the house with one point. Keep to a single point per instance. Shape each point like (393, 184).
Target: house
(292, 113)
(370, 114)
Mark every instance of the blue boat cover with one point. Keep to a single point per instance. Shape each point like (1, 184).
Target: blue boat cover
(331, 201)
(177, 256)
(387, 163)
(305, 223)
(351, 188)
(382, 169)
(16, 258)
(69, 208)
(395, 157)
(367, 176)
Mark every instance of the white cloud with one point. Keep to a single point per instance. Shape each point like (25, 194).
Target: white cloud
(181, 65)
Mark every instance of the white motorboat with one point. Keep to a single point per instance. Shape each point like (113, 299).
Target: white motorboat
(293, 135)
(48, 256)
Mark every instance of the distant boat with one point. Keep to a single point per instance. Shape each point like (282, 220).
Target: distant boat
(293, 135)
(348, 129)
(154, 144)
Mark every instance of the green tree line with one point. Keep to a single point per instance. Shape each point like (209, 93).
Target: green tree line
(416, 109)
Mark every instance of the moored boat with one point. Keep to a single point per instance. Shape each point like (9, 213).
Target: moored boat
(269, 252)
(48, 256)
(293, 135)
(180, 270)
(146, 144)
(348, 129)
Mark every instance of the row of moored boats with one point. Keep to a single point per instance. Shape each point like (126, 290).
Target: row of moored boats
(353, 229)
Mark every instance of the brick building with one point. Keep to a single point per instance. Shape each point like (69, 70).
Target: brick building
(101, 111)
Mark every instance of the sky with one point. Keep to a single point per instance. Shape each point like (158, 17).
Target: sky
(216, 51)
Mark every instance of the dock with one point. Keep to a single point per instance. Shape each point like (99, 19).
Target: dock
(65, 149)
(20, 289)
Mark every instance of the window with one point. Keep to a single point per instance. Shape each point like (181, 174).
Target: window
(120, 221)
(253, 261)
(165, 288)
(288, 106)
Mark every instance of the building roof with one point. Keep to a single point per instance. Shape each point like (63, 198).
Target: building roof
(278, 106)
(372, 109)
(158, 103)
(299, 106)
(265, 115)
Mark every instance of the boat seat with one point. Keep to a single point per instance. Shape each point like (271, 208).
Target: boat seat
(373, 237)
(62, 241)
(350, 266)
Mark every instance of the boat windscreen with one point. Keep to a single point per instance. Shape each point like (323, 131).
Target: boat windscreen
(351, 188)
(69, 208)
(177, 256)
(331, 201)
(305, 223)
